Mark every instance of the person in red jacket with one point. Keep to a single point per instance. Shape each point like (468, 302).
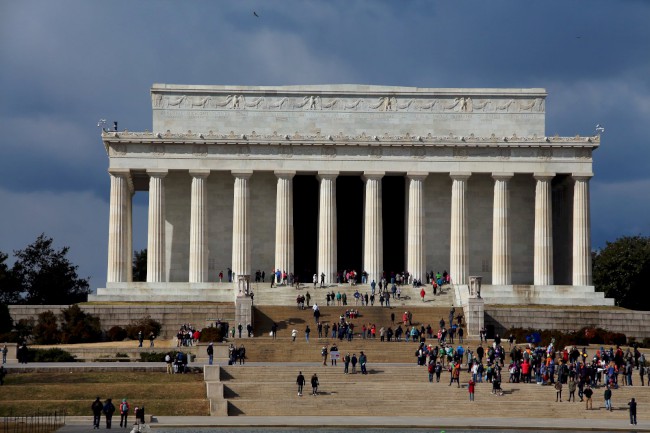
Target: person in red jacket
(470, 388)
(422, 293)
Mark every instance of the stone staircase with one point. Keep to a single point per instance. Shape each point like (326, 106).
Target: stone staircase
(396, 390)
(286, 295)
(288, 318)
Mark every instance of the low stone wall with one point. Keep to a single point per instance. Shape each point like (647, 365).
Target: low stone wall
(170, 316)
(635, 324)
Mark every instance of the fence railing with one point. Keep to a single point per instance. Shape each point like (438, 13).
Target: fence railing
(45, 422)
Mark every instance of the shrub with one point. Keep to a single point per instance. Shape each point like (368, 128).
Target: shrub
(211, 334)
(50, 355)
(116, 333)
(155, 356)
(46, 330)
(582, 337)
(147, 325)
(79, 327)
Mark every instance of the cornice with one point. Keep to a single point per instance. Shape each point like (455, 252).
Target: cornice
(363, 140)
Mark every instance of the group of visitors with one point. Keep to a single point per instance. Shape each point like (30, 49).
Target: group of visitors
(303, 300)
(108, 409)
(187, 335)
(177, 363)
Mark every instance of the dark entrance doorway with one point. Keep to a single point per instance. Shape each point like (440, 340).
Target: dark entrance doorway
(393, 202)
(349, 222)
(305, 226)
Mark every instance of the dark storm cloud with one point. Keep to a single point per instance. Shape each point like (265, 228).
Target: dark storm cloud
(64, 65)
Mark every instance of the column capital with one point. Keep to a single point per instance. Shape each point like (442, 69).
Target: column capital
(157, 172)
(242, 174)
(119, 171)
(200, 173)
(328, 174)
(460, 175)
(543, 176)
(417, 175)
(582, 176)
(502, 176)
(285, 174)
(376, 175)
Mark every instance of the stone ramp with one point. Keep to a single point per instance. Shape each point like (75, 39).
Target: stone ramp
(403, 390)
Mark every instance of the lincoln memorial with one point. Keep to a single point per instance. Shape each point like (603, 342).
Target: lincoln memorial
(321, 179)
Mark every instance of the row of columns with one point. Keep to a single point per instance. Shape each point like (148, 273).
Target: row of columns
(119, 257)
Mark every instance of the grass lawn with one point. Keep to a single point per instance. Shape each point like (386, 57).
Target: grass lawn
(160, 393)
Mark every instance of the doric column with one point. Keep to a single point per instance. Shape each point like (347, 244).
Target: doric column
(199, 227)
(284, 221)
(241, 235)
(581, 231)
(327, 241)
(501, 261)
(119, 228)
(373, 245)
(458, 255)
(543, 260)
(156, 233)
(416, 265)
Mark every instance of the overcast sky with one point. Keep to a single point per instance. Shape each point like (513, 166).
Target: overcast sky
(66, 64)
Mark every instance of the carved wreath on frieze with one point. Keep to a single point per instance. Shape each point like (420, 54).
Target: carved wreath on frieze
(386, 103)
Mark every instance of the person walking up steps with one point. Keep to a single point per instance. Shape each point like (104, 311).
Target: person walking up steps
(314, 385)
(301, 382)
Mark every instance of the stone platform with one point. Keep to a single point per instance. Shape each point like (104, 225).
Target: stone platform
(557, 295)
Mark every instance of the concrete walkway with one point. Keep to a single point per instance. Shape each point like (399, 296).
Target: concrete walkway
(81, 424)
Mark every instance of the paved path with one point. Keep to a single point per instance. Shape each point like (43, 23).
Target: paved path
(80, 424)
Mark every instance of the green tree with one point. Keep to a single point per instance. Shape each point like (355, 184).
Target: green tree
(140, 265)
(6, 322)
(622, 271)
(45, 276)
(79, 327)
(9, 290)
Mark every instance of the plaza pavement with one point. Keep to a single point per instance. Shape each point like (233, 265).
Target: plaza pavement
(82, 424)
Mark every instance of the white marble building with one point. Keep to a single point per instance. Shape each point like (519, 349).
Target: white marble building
(376, 178)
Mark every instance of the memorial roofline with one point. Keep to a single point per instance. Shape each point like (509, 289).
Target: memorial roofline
(360, 140)
(348, 89)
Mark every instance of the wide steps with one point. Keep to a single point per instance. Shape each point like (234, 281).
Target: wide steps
(249, 390)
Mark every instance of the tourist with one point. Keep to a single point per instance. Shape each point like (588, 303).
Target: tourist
(422, 293)
(241, 354)
(240, 328)
(354, 361)
(109, 410)
(294, 334)
(323, 354)
(140, 338)
(314, 384)
(301, 382)
(4, 354)
(210, 351)
(307, 331)
(97, 408)
(221, 276)
(249, 327)
(558, 391)
(346, 363)
(608, 398)
(3, 373)
(124, 412)
(274, 330)
(632, 404)
(572, 389)
(588, 394)
(363, 359)
(470, 388)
